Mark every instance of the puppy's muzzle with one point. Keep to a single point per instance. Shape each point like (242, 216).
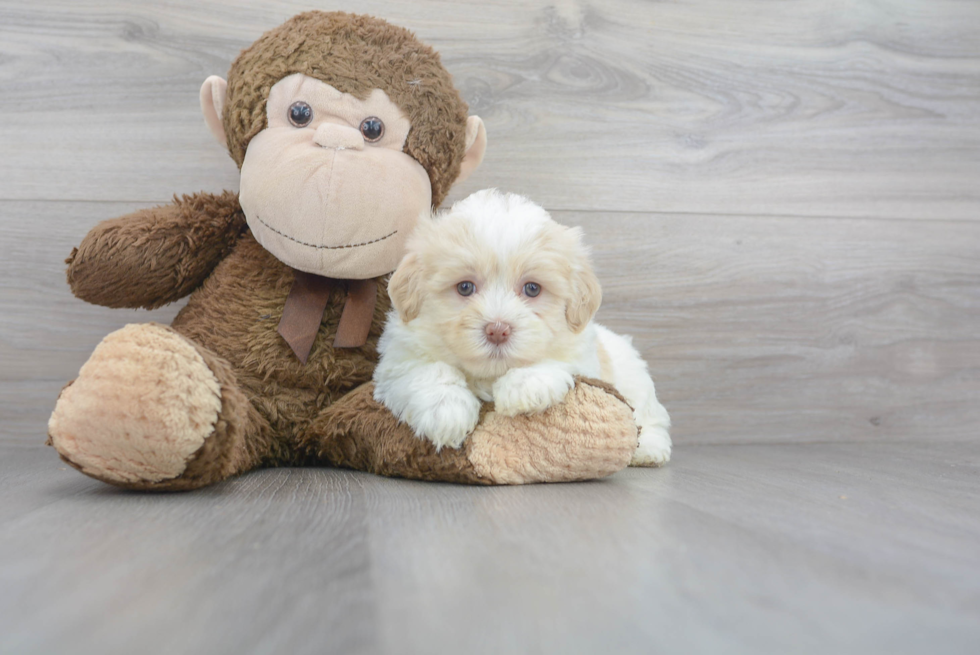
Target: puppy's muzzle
(497, 333)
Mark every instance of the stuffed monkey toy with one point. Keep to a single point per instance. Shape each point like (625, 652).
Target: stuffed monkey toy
(345, 129)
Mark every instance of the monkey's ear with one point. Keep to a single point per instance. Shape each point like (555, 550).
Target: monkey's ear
(405, 287)
(212, 103)
(476, 147)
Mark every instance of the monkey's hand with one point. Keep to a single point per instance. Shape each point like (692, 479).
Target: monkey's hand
(155, 256)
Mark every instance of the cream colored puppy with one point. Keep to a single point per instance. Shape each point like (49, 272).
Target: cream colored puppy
(494, 301)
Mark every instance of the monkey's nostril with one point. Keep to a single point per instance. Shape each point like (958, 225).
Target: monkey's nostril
(497, 333)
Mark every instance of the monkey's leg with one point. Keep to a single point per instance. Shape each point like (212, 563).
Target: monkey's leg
(151, 409)
(590, 435)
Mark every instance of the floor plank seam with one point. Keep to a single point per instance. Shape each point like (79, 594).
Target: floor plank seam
(638, 212)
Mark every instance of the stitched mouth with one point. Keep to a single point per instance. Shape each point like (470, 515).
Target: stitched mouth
(321, 247)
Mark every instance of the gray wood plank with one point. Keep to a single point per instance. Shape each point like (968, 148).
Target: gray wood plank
(756, 329)
(844, 548)
(206, 588)
(807, 108)
(771, 329)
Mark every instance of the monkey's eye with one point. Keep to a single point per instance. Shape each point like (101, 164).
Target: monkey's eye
(300, 114)
(465, 288)
(532, 289)
(372, 128)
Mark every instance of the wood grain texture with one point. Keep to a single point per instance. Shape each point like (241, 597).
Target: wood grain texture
(843, 548)
(773, 329)
(807, 108)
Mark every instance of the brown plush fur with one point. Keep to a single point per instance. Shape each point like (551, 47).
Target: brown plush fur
(274, 409)
(235, 313)
(356, 432)
(169, 250)
(354, 54)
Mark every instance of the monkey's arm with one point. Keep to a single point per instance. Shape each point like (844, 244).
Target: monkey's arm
(155, 256)
(589, 435)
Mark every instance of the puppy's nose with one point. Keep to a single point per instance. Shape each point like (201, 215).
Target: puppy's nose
(341, 137)
(497, 333)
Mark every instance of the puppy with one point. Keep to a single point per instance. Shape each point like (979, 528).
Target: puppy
(494, 301)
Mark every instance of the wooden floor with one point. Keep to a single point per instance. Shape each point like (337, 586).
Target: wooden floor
(784, 205)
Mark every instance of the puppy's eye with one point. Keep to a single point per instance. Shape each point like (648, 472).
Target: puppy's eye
(465, 288)
(372, 128)
(532, 289)
(300, 114)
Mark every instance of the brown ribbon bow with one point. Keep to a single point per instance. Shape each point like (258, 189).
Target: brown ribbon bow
(307, 300)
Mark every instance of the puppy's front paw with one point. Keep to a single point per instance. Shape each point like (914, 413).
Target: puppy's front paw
(654, 448)
(530, 390)
(446, 416)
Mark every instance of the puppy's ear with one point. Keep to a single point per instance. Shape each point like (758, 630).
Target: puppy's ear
(405, 287)
(586, 293)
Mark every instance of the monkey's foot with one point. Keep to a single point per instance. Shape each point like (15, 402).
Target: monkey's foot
(589, 435)
(141, 407)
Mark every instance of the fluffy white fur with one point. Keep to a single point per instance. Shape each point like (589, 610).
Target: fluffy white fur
(437, 362)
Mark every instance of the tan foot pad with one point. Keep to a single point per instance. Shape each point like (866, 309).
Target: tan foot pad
(143, 403)
(590, 435)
